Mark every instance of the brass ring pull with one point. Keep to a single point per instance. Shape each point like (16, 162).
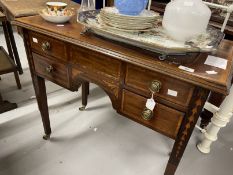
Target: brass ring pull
(49, 69)
(45, 46)
(147, 114)
(155, 86)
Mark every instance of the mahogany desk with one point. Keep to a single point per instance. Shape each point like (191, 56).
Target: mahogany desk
(64, 56)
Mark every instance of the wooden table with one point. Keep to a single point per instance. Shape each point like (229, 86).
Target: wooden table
(64, 56)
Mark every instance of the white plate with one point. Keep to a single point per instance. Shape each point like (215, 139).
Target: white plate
(144, 14)
(134, 29)
(125, 23)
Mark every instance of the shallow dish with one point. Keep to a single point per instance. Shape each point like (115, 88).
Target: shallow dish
(144, 15)
(68, 14)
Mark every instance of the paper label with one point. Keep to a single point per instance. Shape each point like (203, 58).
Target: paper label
(186, 69)
(35, 40)
(216, 62)
(60, 25)
(211, 72)
(150, 104)
(172, 93)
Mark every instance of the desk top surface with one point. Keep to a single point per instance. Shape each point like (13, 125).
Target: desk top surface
(70, 33)
(19, 8)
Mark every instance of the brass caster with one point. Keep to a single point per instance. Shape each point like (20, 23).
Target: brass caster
(82, 108)
(46, 137)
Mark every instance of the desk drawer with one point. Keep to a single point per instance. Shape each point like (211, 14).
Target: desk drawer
(172, 89)
(96, 63)
(52, 70)
(165, 119)
(48, 46)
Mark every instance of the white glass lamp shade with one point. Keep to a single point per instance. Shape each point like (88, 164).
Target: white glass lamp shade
(185, 19)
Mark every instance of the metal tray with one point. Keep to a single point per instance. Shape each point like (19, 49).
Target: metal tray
(155, 40)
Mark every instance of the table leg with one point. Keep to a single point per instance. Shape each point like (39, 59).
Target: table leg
(219, 120)
(187, 127)
(14, 48)
(40, 90)
(85, 93)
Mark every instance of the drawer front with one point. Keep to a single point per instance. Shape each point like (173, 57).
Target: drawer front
(52, 70)
(165, 120)
(96, 63)
(48, 46)
(172, 89)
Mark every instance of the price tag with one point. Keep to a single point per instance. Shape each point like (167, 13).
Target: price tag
(186, 69)
(35, 40)
(150, 104)
(172, 93)
(212, 72)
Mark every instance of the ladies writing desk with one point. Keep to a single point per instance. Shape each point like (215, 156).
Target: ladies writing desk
(63, 55)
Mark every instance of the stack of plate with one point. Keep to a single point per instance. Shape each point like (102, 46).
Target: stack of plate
(110, 16)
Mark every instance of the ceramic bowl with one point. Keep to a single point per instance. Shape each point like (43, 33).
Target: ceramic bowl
(130, 7)
(68, 14)
(56, 8)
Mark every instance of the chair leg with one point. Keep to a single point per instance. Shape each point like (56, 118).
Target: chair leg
(17, 80)
(14, 48)
(7, 38)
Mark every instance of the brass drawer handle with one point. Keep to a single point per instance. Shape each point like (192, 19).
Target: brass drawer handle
(147, 113)
(49, 69)
(155, 86)
(45, 46)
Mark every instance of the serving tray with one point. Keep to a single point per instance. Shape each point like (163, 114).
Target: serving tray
(155, 40)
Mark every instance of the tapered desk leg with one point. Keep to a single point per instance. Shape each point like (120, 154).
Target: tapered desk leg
(187, 127)
(14, 48)
(40, 90)
(85, 93)
(219, 120)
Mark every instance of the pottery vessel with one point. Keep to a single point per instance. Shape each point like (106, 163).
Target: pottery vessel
(56, 8)
(131, 7)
